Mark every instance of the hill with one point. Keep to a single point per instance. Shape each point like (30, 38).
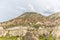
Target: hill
(28, 18)
(33, 18)
(55, 18)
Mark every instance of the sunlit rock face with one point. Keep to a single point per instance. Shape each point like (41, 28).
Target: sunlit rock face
(56, 32)
(3, 32)
(30, 33)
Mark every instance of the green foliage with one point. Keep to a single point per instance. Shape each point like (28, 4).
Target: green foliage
(36, 26)
(23, 38)
(59, 38)
(10, 38)
(2, 38)
(46, 38)
(42, 38)
(50, 37)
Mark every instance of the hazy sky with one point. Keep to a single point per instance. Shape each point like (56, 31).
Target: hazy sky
(12, 8)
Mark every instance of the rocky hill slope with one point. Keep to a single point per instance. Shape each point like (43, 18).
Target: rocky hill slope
(31, 18)
(55, 18)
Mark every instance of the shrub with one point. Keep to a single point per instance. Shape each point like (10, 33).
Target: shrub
(42, 38)
(50, 37)
(59, 38)
(2, 38)
(12, 38)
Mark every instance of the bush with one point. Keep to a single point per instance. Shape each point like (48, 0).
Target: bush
(10, 38)
(59, 38)
(2, 38)
(46, 38)
(50, 37)
(42, 38)
(36, 26)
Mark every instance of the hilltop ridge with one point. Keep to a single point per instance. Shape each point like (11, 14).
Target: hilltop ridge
(30, 18)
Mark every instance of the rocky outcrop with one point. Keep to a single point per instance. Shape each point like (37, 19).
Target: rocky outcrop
(29, 33)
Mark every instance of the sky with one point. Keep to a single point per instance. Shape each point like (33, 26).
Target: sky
(10, 9)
